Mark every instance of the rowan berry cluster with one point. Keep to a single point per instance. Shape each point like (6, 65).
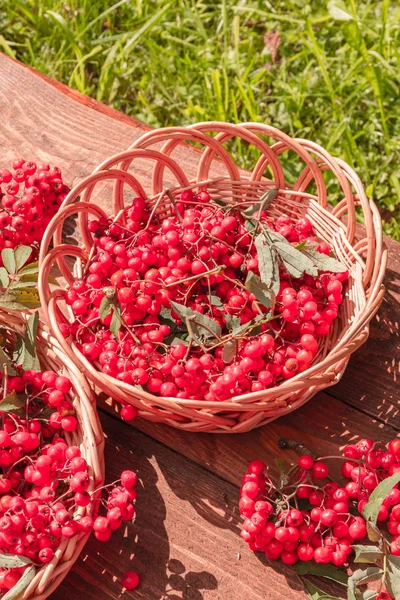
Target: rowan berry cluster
(30, 196)
(190, 310)
(44, 481)
(306, 519)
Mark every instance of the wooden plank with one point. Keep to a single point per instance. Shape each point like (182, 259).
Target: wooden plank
(185, 543)
(324, 425)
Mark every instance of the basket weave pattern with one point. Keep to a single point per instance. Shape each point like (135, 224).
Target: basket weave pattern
(217, 173)
(88, 437)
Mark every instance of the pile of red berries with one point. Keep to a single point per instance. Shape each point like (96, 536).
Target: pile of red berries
(30, 196)
(190, 325)
(44, 481)
(305, 521)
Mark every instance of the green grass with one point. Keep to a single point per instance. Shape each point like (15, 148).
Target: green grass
(336, 78)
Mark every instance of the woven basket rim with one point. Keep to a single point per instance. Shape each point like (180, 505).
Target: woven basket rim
(369, 254)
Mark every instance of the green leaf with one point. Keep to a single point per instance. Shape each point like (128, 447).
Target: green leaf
(18, 354)
(115, 324)
(34, 277)
(295, 262)
(8, 258)
(339, 11)
(261, 291)
(267, 198)
(12, 561)
(392, 579)
(328, 571)
(374, 535)
(5, 360)
(229, 351)
(105, 307)
(232, 322)
(250, 210)
(4, 278)
(371, 509)
(23, 285)
(21, 255)
(367, 554)
(240, 328)
(266, 260)
(30, 360)
(216, 301)
(250, 225)
(12, 403)
(29, 269)
(178, 340)
(184, 312)
(302, 245)
(20, 299)
(323, 262)
(165, 315)
(281, 465)
(316, 593)
(17, 591)
(361, 577)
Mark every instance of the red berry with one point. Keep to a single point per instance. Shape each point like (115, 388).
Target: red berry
(130, 580)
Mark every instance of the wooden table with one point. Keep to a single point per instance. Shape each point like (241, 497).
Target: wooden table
(185, 542)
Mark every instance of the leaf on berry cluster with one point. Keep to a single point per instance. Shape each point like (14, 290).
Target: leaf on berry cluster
(261, 291)
(264, 202)
(13, 561)
(202, 322)
(316, 593)
(30, 269)
(229, 351)
(21, 585)
(392, 578)
(8, 258)
(323, 262)
(249, 325)
(21, 256)
(267, 198)
(20, 299)
(374, 535)
(23, 285)
(367, 554)
(266, 259)
(371, 509)
(30, 361)
(178, 340)
(232, 322)
(295, 262)
(5, 361)
(220, 203)
(302, 245)
(361, 577)
(115, 324)
(18, 354)
(328, 571)
(166, 317)
(105, 307)
(250, 225)
(4, 278)
(216, 301)
(12, 403)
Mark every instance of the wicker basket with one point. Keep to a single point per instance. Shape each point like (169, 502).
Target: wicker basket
(363, 254)
(88, 437)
